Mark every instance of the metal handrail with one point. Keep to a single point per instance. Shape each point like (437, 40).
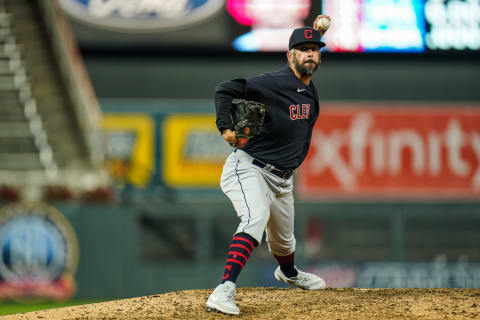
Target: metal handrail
(75, 76)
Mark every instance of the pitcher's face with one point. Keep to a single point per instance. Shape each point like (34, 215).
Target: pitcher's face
(306, 58)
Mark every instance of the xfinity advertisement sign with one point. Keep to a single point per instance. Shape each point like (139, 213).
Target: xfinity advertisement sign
(141, 15)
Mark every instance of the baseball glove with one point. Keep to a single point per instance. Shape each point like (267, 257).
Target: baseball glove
(247, 119)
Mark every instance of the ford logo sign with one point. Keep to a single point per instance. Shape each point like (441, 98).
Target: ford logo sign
(141, 15)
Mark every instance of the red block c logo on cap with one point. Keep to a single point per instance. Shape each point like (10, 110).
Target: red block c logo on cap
(308, 34)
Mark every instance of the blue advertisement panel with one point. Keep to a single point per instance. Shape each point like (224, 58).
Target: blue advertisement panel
(392, 275)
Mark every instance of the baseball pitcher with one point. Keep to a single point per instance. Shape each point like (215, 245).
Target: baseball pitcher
(269, 119)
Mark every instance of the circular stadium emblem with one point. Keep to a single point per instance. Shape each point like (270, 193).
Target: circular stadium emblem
(141, 15)
(38, 252)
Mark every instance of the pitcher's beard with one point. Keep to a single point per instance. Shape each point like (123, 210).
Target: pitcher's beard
(306, 70)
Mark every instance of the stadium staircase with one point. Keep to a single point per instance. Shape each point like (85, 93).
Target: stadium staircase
(42, 139)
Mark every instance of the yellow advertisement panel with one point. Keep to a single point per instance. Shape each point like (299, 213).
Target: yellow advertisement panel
(130, 147)
(193, 151)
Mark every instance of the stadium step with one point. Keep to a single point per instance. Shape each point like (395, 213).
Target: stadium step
(18, 145)
(20, 161)
(7, 82)
(7, 115)
(15, 129)
(49, 91)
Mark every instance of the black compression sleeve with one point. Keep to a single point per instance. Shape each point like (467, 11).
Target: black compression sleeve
(224, 93)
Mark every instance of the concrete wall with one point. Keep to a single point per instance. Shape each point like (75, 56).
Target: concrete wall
(132, 250)
(338, 78)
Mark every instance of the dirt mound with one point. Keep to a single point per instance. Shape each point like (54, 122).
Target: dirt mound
(275, 303)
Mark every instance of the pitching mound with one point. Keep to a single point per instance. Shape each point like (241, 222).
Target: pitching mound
(274, 303)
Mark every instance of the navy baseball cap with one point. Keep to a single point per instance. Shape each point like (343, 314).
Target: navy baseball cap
(305, 35)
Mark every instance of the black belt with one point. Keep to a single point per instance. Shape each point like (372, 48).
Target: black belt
(284, 174)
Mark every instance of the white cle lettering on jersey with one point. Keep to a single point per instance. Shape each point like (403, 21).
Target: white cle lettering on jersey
(299, 111)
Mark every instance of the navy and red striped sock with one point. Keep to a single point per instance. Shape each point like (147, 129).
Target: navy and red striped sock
(240, 249)
(287, 264)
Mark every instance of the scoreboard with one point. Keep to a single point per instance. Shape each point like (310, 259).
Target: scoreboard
(358, 26)
(403, 25)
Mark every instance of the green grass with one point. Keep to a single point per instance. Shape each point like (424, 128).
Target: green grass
(8, 307)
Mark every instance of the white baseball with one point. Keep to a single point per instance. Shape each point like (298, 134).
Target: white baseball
(323, 24)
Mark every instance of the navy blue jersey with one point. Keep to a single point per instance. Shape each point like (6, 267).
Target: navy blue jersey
(291, 111)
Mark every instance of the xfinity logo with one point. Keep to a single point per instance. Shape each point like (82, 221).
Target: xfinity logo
(450, 153)
(141, 15)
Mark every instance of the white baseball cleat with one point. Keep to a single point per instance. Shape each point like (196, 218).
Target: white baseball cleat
(222, 300)
(303, 280)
